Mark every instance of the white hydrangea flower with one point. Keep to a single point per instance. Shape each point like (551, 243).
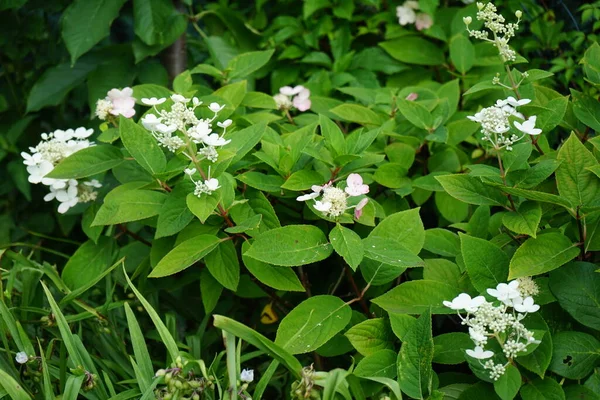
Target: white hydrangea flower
(528, 126)
(247, 375)
(504, 292)
(479, 353)
(153, 101)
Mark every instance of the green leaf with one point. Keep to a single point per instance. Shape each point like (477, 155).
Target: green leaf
(302, 180)
(184, 255)
(126, 205)
(416, 114)
(542, 254)
(539, 359)
(371, 336)
(259, 100)
(525, 220)
(577, 289)
(223, 264)
(462, 53)
(471, 190)
(449, 348)
(347, 244)
(86, 162)
(390, 252)
(312, 323)
(575, 183)
(12, 387)
(415, 374)
(291, 246)
(174, 214)
(148, 90)
(275, 277)
(575, 354)
(416, 297)
(485, 262)
(405, 227)
(507, 386)
(210, 291)
(542, 389)
(142, 146)
(381, 363)
(54, 84)
(333, 136)
(587, 109)
(151, 19)
(86, 22)
(356, 113)
(259, 341)
(260, 181)
(250, 224)
(162, 329)
(140, 349)
(414, 50)
(243, 65)
(539, 196)
(88, 261)
(591, 63)
(442, 242)
(203, 206)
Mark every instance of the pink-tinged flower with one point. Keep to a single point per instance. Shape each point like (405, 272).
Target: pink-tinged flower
(423, 21)
(122, 101)
(355, 186)
(302, 101)
(412, 96)
(359, 208)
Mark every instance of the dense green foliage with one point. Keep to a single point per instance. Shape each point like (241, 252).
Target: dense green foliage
(157, 283)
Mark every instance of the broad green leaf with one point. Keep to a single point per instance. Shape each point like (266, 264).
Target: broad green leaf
(371, 336)
(243, 65)
(142, 146)
(357, 113)
(577, 289)
(485, 262)
(86, 22)
(381, 363)
(539, 196)
(542, 254)
(442, 242)
(86, 162)
(575, 183)
(449, 348)
(508, 385)
(404, 227)
(260, 181)
(542, 389)
(184, 255)
(416, 297)
(415, 374)
(539, 359)
(416, 114)
(276, 277)
(151, 19)
(250, 224)
(174, 214)
(379, 273)
(290, 246)
(516, 159)
(333, 136)
(203, 206)
(260, 342)
(259, 100)
(303, 180)
(414, 50)
(54, 84)
(587, 109)
(442, 270)
(347, 244)
(148, 90)
(471, 190)
(462, 53)
(312, 323)
(525, 220)
(160, 326)
(12, 387)
(223, 264)
(389, 251)
(575, 354)
(591, 63)
(88, 261)
(479, 391)
(210, 291)
(126, 205)
(391, 175)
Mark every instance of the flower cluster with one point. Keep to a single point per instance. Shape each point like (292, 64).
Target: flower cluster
(495, 123)
(297, 97)
(334, 201)
(501, 31)
(117, 102)
(180, 384)
(178, 128)
(407, 14)
(52, 149)
(500, 320)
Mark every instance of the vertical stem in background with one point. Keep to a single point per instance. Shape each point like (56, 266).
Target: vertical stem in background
(174, 57)
(231, 364)
(503, 176)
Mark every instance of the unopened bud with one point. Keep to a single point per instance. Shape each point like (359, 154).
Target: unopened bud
(519, 14)
(467, 20)
(480, 6)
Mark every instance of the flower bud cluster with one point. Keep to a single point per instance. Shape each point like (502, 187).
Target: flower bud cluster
(179, 129)
(495, 123)
(293, 97)
(496, 24)
(180, 385)
(303, 388)
(407, 14)
(51, 150)
(334, 201)
(500, 320)
(117, 102)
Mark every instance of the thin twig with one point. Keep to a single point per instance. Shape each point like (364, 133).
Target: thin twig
(359, 295)
(134, 235)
